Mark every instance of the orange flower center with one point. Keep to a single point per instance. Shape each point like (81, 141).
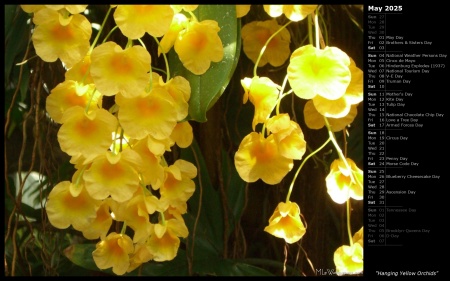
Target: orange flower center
(111, 171)
(84, 67)
(75, 203)
(115, 248)
(262, 36)
(86, 127)
(165, 241)
(144, 10)
(102, 214)
(264, 152)
(62, 33)
(121, 64)
(285, 222)
(148, 107)
(198, 40)
(344, 180)
(73, 99)
(170, 185)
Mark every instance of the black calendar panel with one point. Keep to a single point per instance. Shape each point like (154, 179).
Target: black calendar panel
(406, 120)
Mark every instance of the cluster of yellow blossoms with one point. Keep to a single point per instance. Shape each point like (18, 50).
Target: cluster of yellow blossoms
(118, 152)
(329, 79)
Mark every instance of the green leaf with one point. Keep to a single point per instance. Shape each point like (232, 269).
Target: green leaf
(235, 190)
(176, 267)
(31, 212)
(205, 198)
(10, 10)
(227, 267)
(9, 202)
(207, 88)
(25, 79)
(16, 39)
(233, 268)
(81, 255)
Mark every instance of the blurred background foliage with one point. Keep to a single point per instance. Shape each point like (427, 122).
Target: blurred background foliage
(226, 215)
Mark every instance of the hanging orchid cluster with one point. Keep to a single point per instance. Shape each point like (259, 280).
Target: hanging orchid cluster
(121, 172)
(331, 83)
